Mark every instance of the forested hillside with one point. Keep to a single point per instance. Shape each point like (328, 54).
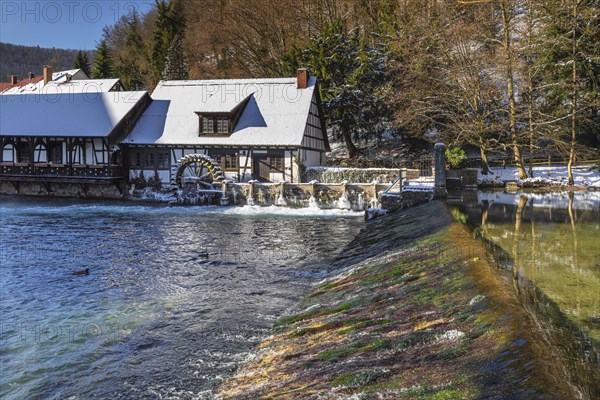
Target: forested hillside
(516, 76)
(21, 60)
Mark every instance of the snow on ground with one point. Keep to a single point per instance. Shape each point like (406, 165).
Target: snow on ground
(422, 184)
(587, 200)
(584, 175)
(344, 169)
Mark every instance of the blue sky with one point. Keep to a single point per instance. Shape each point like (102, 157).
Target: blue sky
(68, 24)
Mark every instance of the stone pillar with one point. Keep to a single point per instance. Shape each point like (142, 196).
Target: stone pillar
(250, 197)
(225, 196)
(439, 157)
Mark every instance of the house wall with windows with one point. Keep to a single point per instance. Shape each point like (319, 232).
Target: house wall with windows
(36, 145)
(256, 129)
(267, 165)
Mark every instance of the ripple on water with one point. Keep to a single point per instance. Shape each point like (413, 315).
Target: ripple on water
(153, 318)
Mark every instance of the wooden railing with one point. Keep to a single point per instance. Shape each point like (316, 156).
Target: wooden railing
(61, 170)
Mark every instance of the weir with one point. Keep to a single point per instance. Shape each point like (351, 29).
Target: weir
(197, 179)
(408, 189)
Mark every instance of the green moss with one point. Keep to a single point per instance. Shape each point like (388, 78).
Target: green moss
(333, 354)
(458, 215)
(447, 354)
(360, 378)
(329, 286)
(448, 394)
(292, 319)
(413, 339)
(394, 382)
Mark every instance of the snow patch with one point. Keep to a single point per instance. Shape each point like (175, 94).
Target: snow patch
(476, 300)
(450, 336)
(584, 175)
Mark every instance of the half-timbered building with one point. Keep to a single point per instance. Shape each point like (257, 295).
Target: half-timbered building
(261, 129)
(49, 138)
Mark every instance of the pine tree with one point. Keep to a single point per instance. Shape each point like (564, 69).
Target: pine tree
(170, 25)
(175, 63)
(102, 64)
(351, 76)
(161, 38)
(132, 60)
(82, 62)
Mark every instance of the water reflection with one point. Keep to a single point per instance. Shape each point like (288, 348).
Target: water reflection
(550, 245)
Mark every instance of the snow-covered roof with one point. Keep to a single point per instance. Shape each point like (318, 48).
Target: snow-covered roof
(73, 115)
(36, 85)
(75, 74)
(81, 86)
(65, 87)
(275, 115)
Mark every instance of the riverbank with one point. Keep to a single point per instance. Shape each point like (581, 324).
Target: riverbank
(391, 326)
(545, 178)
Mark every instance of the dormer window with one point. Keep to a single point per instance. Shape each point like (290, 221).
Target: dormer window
(218, 119)
(215, 124)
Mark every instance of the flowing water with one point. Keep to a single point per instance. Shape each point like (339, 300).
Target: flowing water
(175, 299)
(548, 246)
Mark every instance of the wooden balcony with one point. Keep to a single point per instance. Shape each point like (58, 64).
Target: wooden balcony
(59, 172)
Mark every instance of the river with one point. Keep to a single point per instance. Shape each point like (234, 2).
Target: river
(548, 246)
(175, 300)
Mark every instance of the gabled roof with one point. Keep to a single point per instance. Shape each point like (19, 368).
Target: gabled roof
(6, 86)
(216, 104)
(73, 115)
(36, 84)
(81, 86)
(76, 74)
(276, 112)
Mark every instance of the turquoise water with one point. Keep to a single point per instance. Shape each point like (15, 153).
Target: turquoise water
(156, 317)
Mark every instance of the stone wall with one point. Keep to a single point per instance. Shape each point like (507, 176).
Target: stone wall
(354, 175)
(81, 190)
(408, 198)
(322, 195)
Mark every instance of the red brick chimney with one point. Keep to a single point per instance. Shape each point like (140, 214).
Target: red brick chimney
(13, 79)
(302, 78)
(47, 74)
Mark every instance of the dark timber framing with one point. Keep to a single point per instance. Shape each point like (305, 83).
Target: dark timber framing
(81, 158)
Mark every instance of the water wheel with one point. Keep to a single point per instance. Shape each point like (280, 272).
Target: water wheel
(197, 168)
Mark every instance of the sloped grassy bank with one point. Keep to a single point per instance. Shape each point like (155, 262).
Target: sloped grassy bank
(407, 321)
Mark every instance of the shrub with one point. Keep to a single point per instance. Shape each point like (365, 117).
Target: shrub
(139, 181)
(455, 157)
(155, 182)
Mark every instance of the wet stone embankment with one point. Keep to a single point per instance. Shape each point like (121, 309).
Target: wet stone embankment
(413, 313)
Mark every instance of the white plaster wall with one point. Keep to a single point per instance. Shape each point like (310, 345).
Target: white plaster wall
(312, 158)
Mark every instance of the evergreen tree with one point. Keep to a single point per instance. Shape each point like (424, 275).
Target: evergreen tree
(130, 66)
(175, 64)
(170, 25)
(351, 76)
(102, 64)
(82, 62)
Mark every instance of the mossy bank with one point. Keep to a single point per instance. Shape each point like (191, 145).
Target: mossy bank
(410, 320)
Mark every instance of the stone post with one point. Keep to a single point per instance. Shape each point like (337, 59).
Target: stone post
(225, 196)
(439, 157)
(250, 197)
